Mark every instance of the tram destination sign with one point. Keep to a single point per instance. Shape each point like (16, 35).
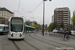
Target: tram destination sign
(16, 20)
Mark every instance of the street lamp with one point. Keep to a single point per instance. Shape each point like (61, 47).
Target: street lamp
(44, 15)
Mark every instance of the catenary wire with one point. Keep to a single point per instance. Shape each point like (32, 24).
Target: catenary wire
(19, 4)
(37, 6)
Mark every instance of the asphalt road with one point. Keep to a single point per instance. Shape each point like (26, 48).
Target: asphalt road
(56, 35)
(1, 38)
(35, 41)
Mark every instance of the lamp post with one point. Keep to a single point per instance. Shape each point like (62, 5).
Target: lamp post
(44, 15)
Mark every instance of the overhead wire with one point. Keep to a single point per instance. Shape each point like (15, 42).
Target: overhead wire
(37, 6)
(19, 7)
(19, 4)
(25, 10)
(35, 9)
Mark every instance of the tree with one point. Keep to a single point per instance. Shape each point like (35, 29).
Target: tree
(51, 26)
(28, 22)
(73, 20)
(36, 26)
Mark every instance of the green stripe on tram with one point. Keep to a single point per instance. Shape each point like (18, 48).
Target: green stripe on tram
(8, 33)
(1, 29)
(23, 33)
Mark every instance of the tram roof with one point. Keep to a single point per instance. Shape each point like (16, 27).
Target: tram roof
(29, 26)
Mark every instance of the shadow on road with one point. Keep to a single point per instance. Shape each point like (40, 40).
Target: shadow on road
(1, 34)
(16, 39)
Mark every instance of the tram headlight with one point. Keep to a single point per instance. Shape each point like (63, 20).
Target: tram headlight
(11, 33)
(20, 33)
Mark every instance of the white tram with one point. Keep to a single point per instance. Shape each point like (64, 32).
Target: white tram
(16, 28)
(3, 28)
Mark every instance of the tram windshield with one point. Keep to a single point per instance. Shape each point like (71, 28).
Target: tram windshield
(17, 25)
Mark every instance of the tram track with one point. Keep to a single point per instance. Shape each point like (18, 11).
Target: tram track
(31, 45)
(53, 41)
(43, 41)
(50, 41)
(16, 45)
(39, 44)
(24, 46)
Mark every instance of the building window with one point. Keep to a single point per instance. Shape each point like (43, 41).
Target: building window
(2, 12)
(4, 15)
(65, 15)
(65, 11)
(65, 19)
(60, 16)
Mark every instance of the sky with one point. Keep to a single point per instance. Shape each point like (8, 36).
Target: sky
(25, 8)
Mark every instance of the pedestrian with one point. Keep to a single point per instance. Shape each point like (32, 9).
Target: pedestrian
(65, 34)
(42, 31)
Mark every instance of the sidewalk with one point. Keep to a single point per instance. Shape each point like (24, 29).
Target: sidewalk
(70, 42)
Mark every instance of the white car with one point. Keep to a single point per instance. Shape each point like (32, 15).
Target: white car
(55, 31)
(73, 32)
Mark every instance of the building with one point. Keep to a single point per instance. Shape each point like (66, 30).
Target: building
(62, 18)
(53, 18)
(74, 13)
(5, 14)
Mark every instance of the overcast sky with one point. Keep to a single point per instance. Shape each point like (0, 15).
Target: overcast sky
(29, 5)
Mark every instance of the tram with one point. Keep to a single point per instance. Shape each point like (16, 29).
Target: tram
(29, 29)
(16, 28)
(3, 28)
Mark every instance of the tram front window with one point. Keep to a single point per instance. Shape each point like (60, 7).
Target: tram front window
(16, 28)
(17, 25)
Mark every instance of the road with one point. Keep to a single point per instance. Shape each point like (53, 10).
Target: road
(35, 41)
(56, 35)
(1, 38)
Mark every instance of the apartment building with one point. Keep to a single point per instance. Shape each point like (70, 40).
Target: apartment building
(74, 13)
(53, 18)
(62, 18)
(5, 14)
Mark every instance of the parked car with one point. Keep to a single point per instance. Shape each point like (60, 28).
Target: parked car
(60, 31)
(55, 31)
(72, 32)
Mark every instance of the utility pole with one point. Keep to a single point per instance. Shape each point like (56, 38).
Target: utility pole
(44, 14)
